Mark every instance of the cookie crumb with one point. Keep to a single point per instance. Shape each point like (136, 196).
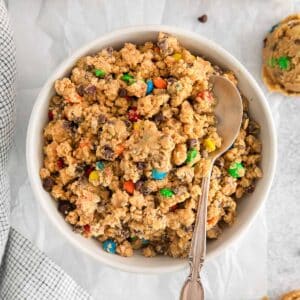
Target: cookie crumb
(292, 295)
(203, 18)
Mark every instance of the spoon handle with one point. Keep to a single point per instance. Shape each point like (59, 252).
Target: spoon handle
(192, 289)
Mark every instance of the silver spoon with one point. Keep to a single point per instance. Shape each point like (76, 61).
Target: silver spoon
(229, 112)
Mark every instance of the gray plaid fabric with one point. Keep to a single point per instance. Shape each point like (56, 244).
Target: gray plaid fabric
(25, 272)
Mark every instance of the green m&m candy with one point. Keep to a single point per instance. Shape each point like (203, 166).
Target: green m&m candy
(99, 73)
(284, 62)
(129, 79)
(191, 155)
(236, 170)
(165, 192)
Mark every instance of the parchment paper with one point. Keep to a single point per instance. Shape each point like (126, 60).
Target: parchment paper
(46, 32)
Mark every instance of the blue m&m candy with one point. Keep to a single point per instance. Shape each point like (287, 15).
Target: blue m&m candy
(100, 165)
(145, 242)
(150, 86)
(158, 175)
(109, 246)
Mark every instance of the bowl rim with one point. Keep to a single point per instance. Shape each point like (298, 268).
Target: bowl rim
(66, 63)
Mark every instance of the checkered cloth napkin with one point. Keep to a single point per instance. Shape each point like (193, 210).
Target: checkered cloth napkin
(25, 272)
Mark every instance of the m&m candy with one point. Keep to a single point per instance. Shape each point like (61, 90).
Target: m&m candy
(129, 79)
(150, 86)
(165, 192)
(99, 73)
(236, 170)
(60, 163)
(109, 246)
(158, 175)
(133, 238)
(94, 176)
(209, 145)
(145, 242)
(284, 62)
(128, 186)
(159, 83)
(50, 115)
(191, 155)
(133, 115)
(177, 56)
(100, 165)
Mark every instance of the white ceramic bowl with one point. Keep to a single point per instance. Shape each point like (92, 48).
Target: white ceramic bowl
(247, 208)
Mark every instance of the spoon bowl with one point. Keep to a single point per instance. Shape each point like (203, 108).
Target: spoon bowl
(229, 113)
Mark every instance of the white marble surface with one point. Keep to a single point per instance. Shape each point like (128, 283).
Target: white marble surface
(50, 30)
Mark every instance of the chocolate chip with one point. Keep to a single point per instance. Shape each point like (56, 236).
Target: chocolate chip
(90, 68)
(159, 117)
(48, 184)
(128, 124)
(65, 207)
(80, 90)
(122, 92)
(88, 169)
(55, 174)
(81, 167)
(109, 50)
(191, 143)
(156, 202)
(144, 178)
(171, 80)
(253, 128)
(102, 119)
(220, 162)
(73, 126)
(141, 165)
(297, 42)
(138, 185)
(70, 125)
(90, 89)
(181, 205)
(145, 190)
(250, 189)
(108, 152)
(202, 19)
(142, 187)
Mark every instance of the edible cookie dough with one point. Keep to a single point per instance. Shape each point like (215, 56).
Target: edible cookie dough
(293, 295)
(127, 143)
(281, 57)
